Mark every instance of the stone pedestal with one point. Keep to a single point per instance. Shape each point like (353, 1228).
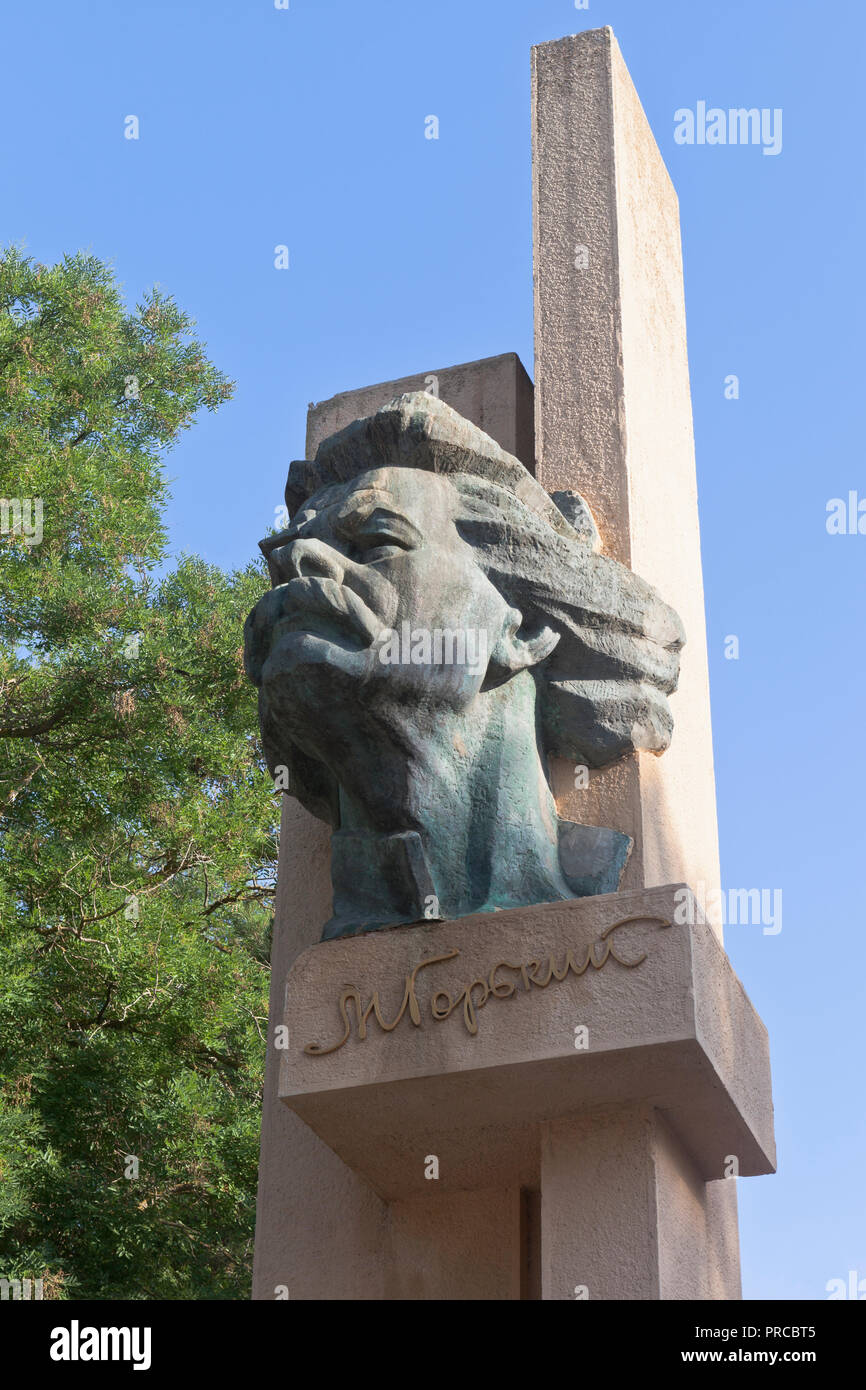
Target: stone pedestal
(551, 1094)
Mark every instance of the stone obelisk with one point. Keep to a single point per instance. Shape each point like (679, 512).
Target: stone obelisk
(557, 1176)
(614, 422)
(613, 412)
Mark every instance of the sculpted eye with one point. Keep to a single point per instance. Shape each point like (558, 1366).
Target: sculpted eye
(380, 545)
(374, 531)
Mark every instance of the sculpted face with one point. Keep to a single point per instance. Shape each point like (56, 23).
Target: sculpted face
(364, 559)
(405, 692)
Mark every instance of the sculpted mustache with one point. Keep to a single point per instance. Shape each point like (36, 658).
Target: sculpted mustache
(320, 597)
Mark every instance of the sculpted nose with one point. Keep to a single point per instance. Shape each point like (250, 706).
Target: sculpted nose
(310, 559)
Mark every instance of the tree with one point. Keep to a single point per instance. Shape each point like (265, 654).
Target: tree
(138, 822)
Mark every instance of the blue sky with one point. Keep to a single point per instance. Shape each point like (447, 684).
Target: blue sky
(305, 127)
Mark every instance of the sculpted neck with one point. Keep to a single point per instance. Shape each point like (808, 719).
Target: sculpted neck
(472, 785)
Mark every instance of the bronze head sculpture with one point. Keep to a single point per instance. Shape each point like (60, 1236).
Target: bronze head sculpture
(437, 628)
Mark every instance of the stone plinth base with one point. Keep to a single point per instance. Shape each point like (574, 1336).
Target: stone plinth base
(545, 1102)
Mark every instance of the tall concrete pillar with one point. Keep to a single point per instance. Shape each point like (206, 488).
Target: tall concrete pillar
(613, 421)
(613, 416)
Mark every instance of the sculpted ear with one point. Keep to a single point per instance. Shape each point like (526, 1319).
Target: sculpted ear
(513, 652)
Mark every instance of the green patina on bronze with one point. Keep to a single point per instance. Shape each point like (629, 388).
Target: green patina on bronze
(437, 628)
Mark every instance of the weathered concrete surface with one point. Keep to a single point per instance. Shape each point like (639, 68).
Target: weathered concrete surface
(651, 1229)
(455, 1245)
(495, 393)
(308, 1201)
(613, 415)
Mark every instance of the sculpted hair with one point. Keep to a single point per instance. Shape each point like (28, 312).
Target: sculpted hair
(604, 688)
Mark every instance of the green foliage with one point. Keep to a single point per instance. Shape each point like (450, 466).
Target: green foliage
(138, 823)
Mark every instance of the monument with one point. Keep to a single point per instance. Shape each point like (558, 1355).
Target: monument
(507, 1056)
